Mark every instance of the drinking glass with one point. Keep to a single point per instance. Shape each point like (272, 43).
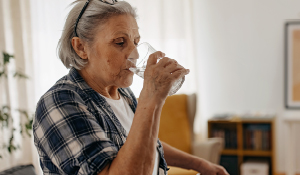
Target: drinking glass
(137, 61)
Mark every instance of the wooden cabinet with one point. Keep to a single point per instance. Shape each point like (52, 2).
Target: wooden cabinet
(247, 139)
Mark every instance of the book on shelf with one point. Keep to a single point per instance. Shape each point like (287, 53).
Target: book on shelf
(229, 136)
(257, 137)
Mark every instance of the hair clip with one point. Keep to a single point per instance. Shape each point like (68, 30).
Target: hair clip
(111, 2)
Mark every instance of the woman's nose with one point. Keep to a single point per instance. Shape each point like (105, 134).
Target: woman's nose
(134, 54)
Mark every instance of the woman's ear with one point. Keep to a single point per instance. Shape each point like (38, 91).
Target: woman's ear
(79, 47)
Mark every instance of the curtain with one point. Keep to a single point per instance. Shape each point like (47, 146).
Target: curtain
(48, 18)
(15, 39)
(30, 29)
(47, 21)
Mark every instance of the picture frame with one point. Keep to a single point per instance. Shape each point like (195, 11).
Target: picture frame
(292, 65)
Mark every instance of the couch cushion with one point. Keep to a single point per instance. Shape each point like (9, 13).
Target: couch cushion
(174, 123)
(180, 171)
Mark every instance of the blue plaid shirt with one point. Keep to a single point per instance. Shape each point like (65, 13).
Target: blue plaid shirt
(76, 131)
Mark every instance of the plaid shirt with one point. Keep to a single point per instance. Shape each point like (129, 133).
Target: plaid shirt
(76, 131)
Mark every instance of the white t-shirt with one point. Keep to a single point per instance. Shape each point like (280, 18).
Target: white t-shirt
(125, 115)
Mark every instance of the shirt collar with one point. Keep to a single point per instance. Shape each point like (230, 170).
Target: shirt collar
(76, 78)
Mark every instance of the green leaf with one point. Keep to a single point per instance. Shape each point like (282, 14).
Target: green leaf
(5, 119)
(6, 116)
(20, 75)
(11, 147)
(6, 57)
(24, 112)
(2, 73)
(5, 107)
(27, 132)
(27, 126)
(1, 115)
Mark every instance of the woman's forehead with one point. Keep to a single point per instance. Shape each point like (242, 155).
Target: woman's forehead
(123, 25)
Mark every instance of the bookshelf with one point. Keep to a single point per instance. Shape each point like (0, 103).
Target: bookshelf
(245, 139)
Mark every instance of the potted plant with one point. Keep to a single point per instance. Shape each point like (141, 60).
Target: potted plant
(6, 116)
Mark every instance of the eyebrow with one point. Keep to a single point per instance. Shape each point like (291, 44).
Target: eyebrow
(126, 34)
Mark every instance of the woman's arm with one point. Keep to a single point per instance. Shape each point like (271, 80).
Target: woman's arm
(137, 156)
(178, 158)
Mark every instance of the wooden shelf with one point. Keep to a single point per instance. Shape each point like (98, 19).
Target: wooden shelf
(257, 153)
(241, 127)
(246, 152)
(230, 152)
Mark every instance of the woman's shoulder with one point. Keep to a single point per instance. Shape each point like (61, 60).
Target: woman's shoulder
(70, 86)
(64, 90)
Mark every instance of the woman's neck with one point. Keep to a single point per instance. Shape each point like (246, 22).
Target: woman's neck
(100, 87)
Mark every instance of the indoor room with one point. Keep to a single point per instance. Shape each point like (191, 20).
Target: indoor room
(222, 78)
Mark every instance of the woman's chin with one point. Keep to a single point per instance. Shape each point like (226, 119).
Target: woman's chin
(127, 82)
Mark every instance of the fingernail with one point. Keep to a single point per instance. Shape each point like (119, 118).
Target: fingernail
(188, 71)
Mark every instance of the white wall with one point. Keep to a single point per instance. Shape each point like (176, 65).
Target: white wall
(240, 54)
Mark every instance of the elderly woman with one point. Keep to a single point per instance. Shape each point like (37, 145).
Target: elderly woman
(89, 121)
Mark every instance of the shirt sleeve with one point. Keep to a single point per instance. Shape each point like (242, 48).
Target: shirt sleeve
(70, 136)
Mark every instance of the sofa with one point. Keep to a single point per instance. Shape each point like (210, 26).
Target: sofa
(176, 129)
(19, 170)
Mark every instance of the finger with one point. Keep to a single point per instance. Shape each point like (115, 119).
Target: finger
(174, 69)
(164, 62)
(223, 171)
(174, 66)
(153, 58)
(180, 73)
(171, 62)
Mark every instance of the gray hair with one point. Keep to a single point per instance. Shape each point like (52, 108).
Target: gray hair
(96, 15)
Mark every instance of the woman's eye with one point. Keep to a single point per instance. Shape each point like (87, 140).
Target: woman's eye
(120, 43)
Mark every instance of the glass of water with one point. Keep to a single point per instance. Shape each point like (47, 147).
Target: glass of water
(137, 61)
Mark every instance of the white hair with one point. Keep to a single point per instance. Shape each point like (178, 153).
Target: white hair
(96, 15)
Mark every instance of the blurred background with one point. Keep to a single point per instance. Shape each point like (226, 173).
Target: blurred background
(234, 50)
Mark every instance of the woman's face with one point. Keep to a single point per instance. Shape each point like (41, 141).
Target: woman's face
(108, 54)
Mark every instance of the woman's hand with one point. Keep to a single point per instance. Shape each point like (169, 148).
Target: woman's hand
(159, 77)
(207, 168)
